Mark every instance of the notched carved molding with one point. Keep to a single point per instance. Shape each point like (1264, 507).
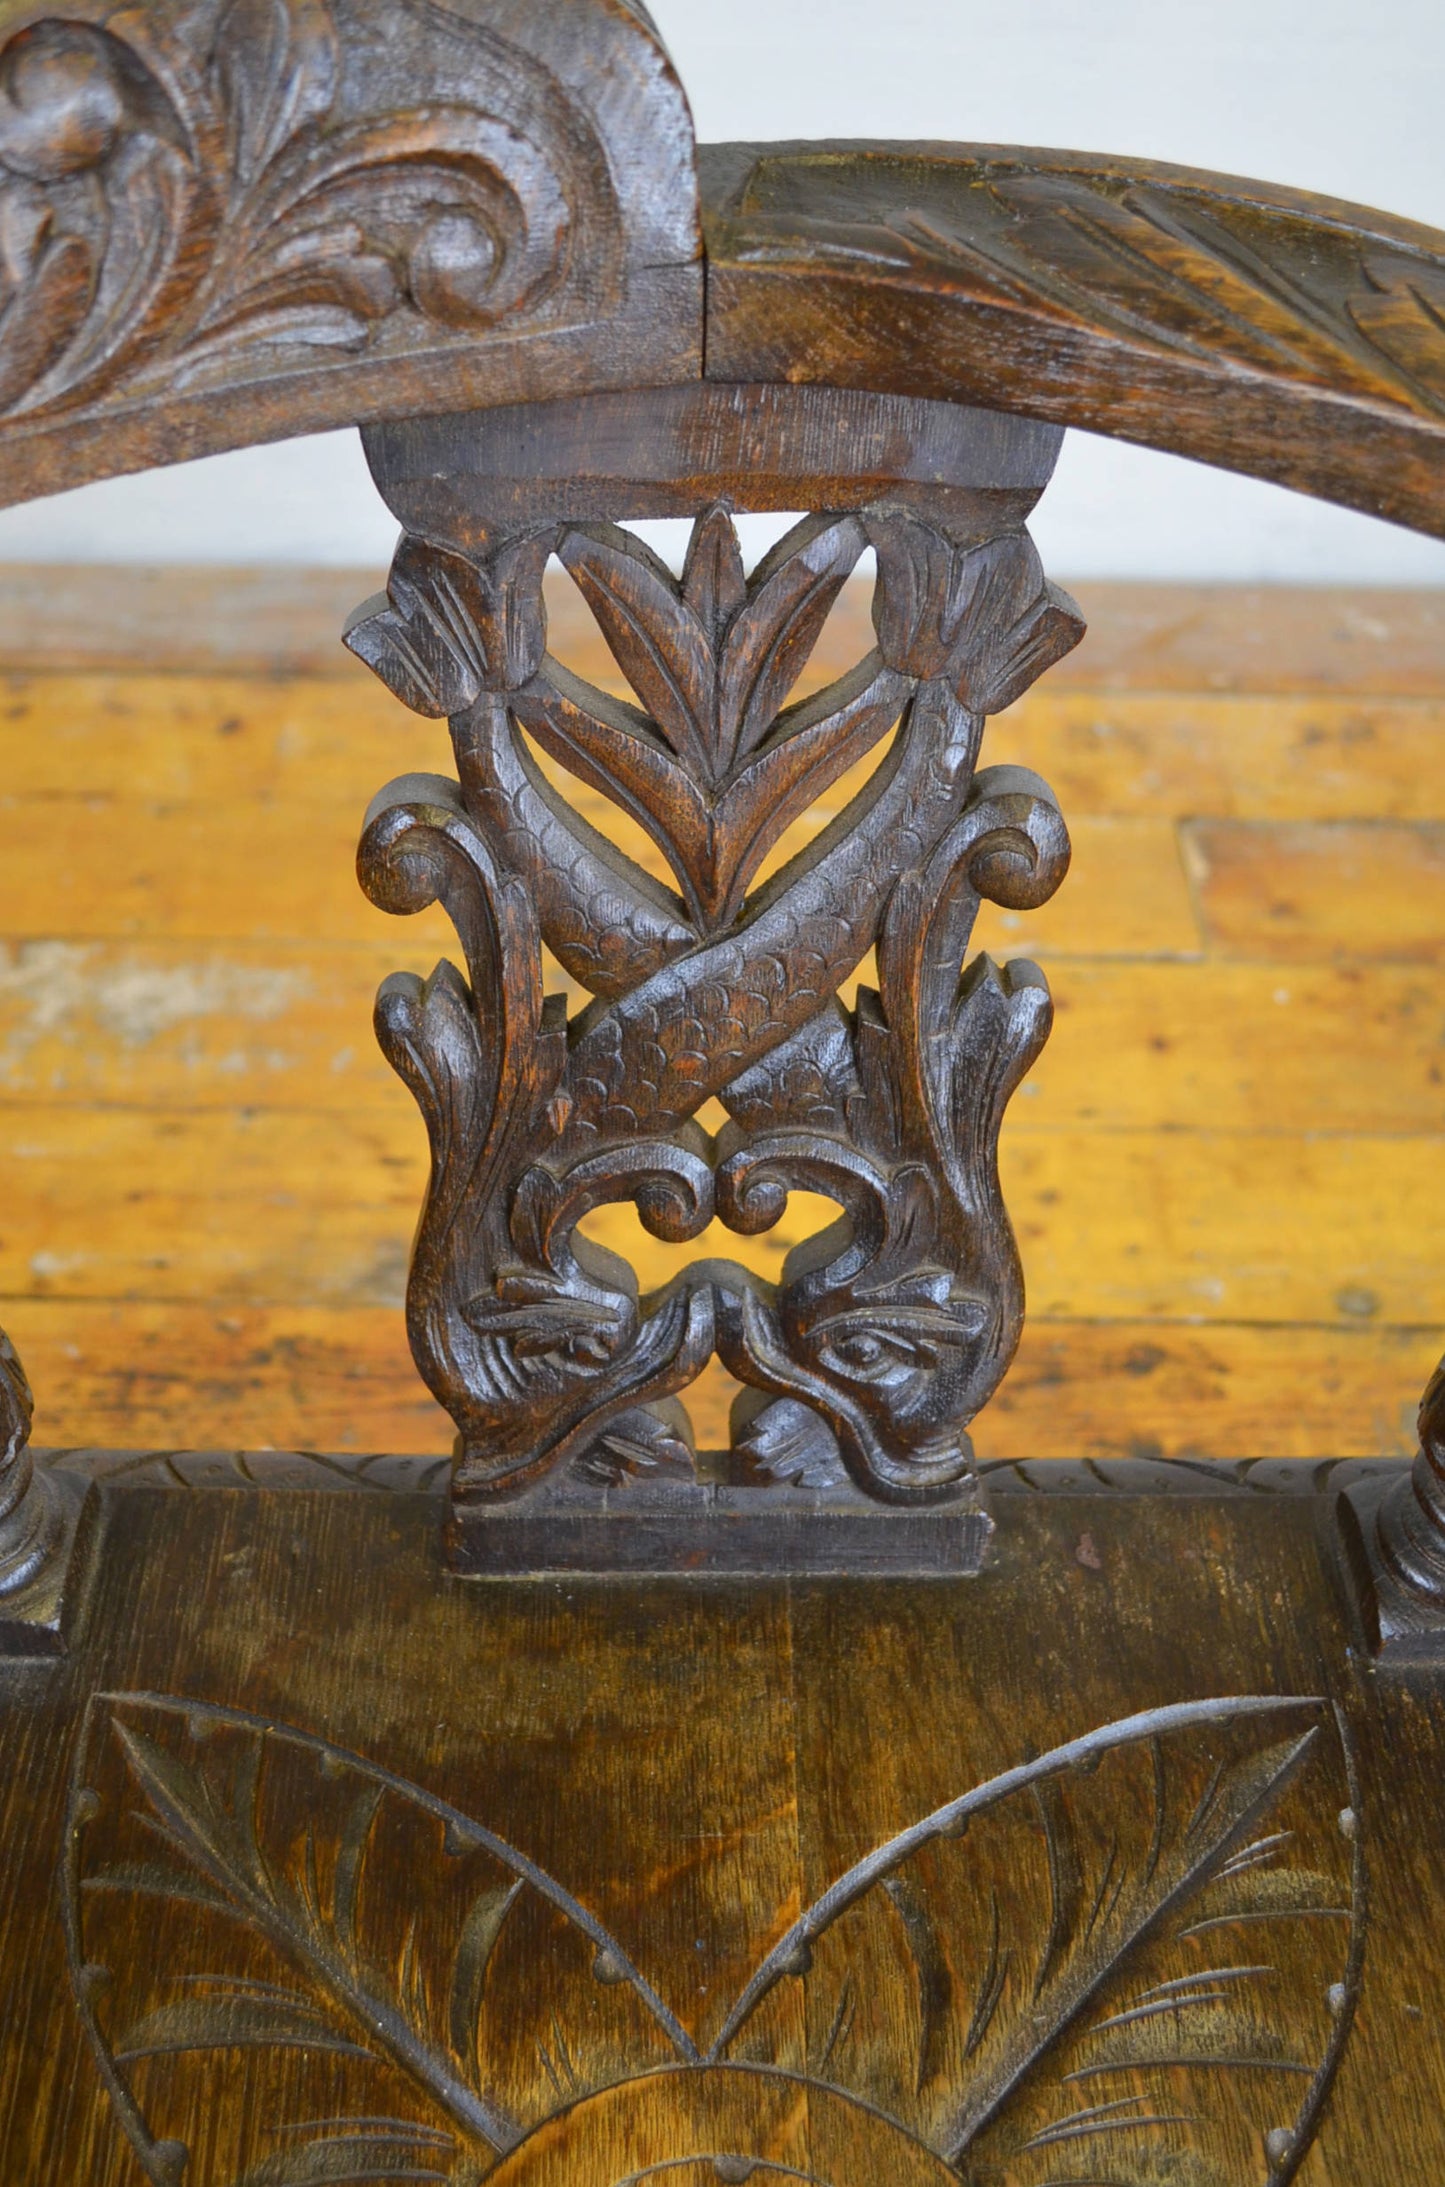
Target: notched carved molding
(342, 201)
(895, 1325)
(1142, 1948)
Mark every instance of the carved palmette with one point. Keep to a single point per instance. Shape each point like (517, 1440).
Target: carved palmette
(888, 1331)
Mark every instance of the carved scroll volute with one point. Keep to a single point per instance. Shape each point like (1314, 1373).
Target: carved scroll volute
(899, 1324)
(896, 1325)
(373, 203)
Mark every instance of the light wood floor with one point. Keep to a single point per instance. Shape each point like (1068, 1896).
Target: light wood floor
(1227, 1172)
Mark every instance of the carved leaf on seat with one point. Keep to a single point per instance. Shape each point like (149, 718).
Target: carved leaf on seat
(1167, 1899)
(1141, 1949)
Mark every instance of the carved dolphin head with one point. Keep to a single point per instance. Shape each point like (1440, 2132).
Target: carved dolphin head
(896, 1365)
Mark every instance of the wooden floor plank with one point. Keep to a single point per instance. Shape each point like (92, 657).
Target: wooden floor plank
(226, 1205)
(291, 1205)
(1307, 891)
(143, 1374)
(309, 740)
(319, 739)
(1164, 1389)
(238, 870)
(1278, 638)
(174, 1023)
(1241, 1047)
(267, 619)
(1335, 756)
(1126, 895)
(263, 868)
(1224, 1169)
(1142, 637)
(1229, 1226)
(1189, 1045)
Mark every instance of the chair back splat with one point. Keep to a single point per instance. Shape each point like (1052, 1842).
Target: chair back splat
(883, 1336)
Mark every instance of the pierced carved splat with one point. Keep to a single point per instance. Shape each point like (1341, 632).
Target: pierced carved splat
(889, 1330)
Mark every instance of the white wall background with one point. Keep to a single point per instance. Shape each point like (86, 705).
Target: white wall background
(1326, 94)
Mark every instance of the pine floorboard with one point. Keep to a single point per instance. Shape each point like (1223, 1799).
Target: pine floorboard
(1227, 1170)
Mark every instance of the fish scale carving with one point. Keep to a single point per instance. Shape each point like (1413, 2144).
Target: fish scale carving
(887, 1331)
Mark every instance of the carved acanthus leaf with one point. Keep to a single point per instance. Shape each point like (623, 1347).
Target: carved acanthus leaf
(448, 628)
(1226, 273)
(274, 70)
(985, 620)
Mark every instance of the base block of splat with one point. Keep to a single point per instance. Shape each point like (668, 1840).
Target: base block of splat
(701, 1526)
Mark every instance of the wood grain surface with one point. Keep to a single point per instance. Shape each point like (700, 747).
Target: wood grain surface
(241, 227)
(1249, 326)
(334, 1868)
(1225, 1169)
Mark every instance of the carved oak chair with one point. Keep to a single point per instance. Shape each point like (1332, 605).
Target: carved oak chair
(597, 1809)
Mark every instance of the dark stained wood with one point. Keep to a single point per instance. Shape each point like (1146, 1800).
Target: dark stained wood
(887, 1333)
(39, 1521)
(532, 1882)
(256, 218)
(1256, 328)
(1116, 1861)
(669, 452)
(1396, 1544)
(244, 221)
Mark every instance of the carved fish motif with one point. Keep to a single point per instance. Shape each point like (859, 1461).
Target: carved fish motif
(900, 1321)
(896, 1330)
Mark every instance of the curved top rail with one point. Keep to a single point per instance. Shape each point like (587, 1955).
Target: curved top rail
(228, 221)
(225, 221)
(1259, 329)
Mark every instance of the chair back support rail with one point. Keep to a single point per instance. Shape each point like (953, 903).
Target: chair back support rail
(482, 231)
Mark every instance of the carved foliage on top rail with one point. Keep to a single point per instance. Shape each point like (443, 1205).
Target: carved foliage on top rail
(263, 184)
(1206, 268)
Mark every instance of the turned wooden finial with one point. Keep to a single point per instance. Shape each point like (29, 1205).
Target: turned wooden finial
(31, 1520)
(1411, 1523)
